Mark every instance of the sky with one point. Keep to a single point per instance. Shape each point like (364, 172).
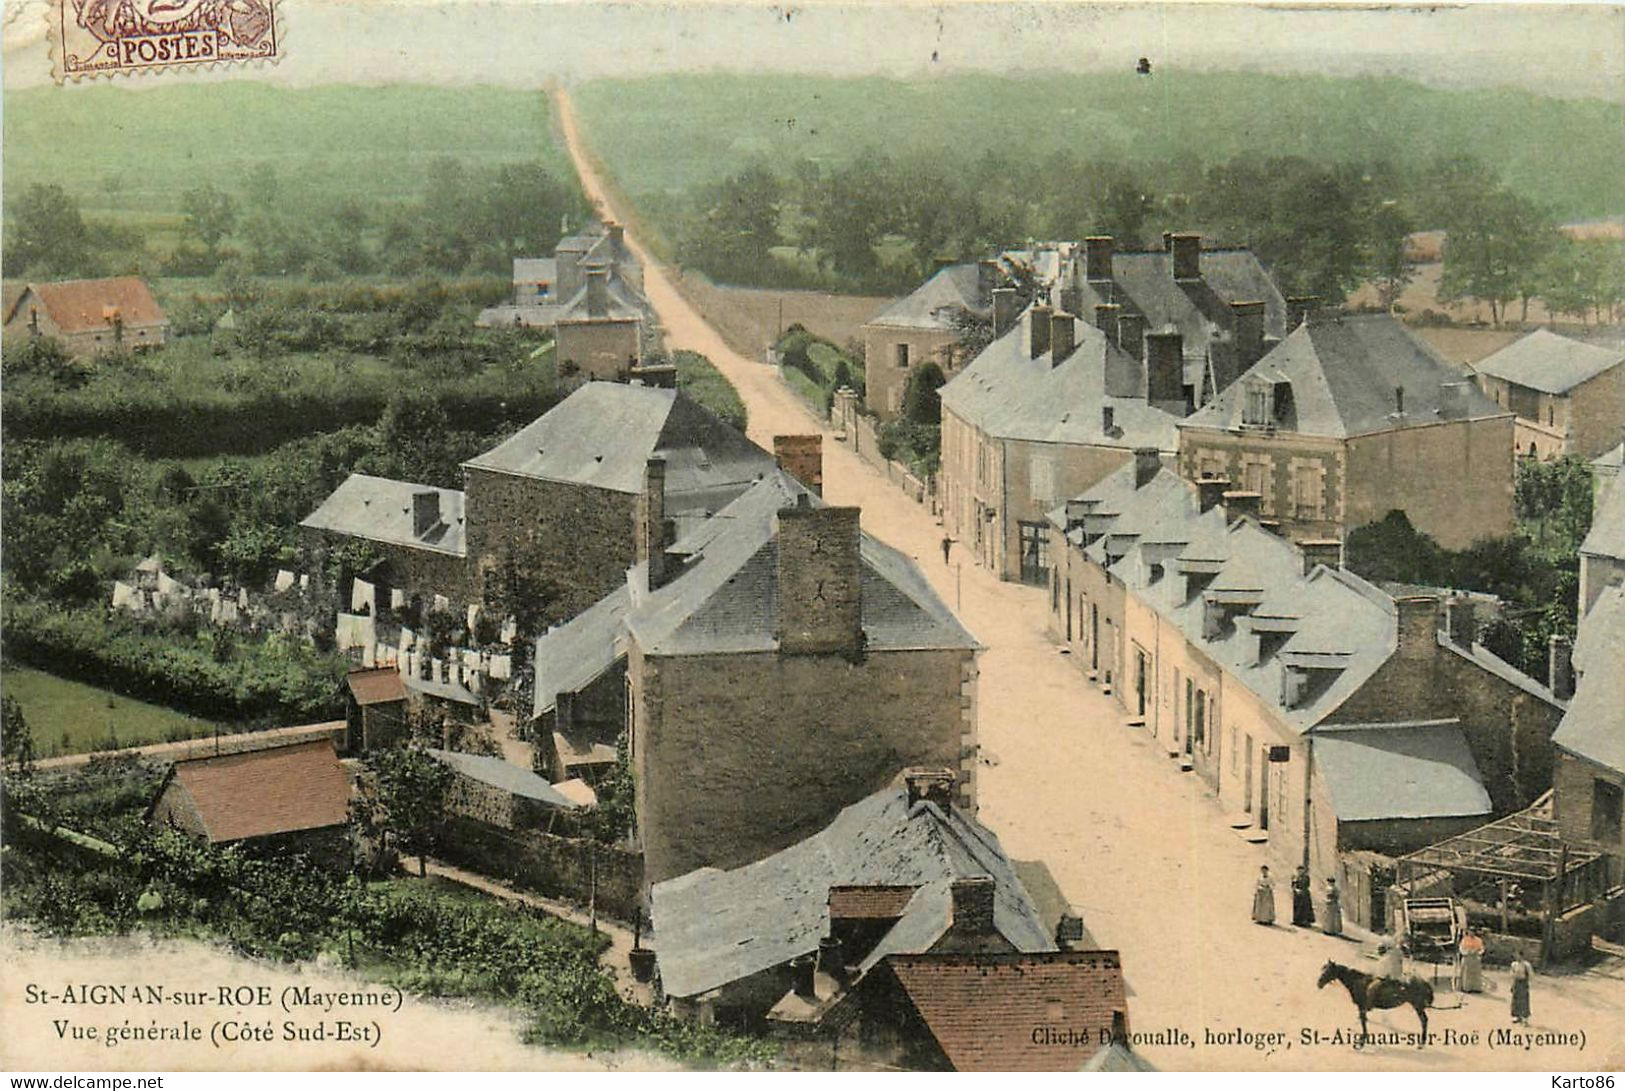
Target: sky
(1554, 49)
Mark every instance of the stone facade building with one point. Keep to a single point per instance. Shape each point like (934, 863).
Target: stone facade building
(1569, 396)
(921, 326)
(86, 317)
(1602, 554)
(500, 793)
(1350, 418)
(1334, 715)
(1588, 797)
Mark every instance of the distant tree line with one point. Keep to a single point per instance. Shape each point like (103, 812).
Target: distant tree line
(880, 223)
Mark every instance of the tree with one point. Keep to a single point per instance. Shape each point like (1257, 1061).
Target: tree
(413, 789)
(210, 216)
(922, 402)
(1493, 251)
(735, 225)
(1386, 234)
(16, 738)
(46, 234)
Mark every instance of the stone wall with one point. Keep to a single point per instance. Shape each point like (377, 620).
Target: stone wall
(424, 573)
(738, 756)
(1454, 481)
(575, 869)
(1574, 793)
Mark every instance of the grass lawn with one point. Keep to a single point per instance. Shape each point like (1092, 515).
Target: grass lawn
(73, 718)
(699, 379)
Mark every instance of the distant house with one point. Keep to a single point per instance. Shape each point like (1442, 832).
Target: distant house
(287, 799)
(374, 709)
(1588, 798)
(1569, 396)
(89, 316)
(1350, 418)
(1333, 715)
(1602, 554)
(900, 872)
(419, 531)
(534, 281)
(921, 326)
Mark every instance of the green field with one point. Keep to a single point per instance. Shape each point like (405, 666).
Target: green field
(129, 155)
(72, 718)
(663, 136)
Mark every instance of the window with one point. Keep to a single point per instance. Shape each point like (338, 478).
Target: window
(1258, 407)
(902, 355)
(1606, 800)
(1200, 732)
(1034, 553)
(1041, 478)
(1308, 497)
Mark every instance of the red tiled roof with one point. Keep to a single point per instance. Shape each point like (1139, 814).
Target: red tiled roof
(262, 792)
(379, 686)
(985, 1010)
(869, 902)
(80, 305)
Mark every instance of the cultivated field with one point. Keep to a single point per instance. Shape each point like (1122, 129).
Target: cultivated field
(72, 718)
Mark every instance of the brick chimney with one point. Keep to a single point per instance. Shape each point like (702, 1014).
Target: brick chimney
(1147, 462)
(1210, 492)
(832, 957)
(1249, 333)
(1106, 315)
(597, 292)
(1560, 666)
(929, 786)
(1069, 932)
(1063, 338)
(973, 906)
(1187, 256)
(1320, 551)
(650, 547)
(1459, 621)
(1165, 366)
(1131, 334)
(425, 511)
(1239, 502)
(617, 237)
(1298, 310)
(1004, 310)
(819, 570)
(1038, 328)
(802, 457)
(802, 970)
(1453, 399)
(1417, 626)
(1097, 257)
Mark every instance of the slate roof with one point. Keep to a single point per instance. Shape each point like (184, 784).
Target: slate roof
(931, 305)
(380, 509)
(266, 792)
(1594, 725)
(381, 685)
(1491, 663)
(445, 691)
(504, 776)
(1606, 538)
(623, 304)
(983, 1009)
(714, 927)
(725, 599)
(604, 434)
(536, 271)
(79, 306)
(1421, 770)
(1550, 362)
(1343, 372)
(1008, 393)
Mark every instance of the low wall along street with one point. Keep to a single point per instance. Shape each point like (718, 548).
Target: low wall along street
(577, 869)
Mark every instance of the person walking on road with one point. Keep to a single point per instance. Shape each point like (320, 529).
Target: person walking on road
(947, 546)
(1303, 902)
(1521, 973)
(1264, 898)
(1332, 923)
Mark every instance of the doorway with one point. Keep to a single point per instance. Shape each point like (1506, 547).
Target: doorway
(1264, 788)
(1247, 778)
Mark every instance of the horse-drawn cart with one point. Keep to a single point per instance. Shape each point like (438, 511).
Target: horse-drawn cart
(1431, 928)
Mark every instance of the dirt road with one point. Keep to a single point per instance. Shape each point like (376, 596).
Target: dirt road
(1135, 844)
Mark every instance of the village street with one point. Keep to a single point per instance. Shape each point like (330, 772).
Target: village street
(1137, 846)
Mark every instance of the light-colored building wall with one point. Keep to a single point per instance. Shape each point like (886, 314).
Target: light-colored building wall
(598, 348)
(1583, 422)
(890, 355)
(1597, 573)
(1453, 481)
(1575, 783)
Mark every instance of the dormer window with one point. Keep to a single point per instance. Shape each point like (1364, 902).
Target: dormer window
(1258, 406)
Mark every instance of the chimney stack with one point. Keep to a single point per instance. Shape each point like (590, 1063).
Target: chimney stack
(973, 906)
(1108, 420)
(1147, 461)
(930, 786)
(1321, 551)
(650, 547)
(1038, 327)
(1459, 621)
(832, 958)
(1069, 932)
(1004, 310)
(425, 511)
(1131, 334)
(1239, 502)
(1097, 257)
(597, 292)
(1063, 338)
(1210, 492)
(1298, 310)
(802, 457)
(617, 237)
(1165, 366)
(802, 969)
(1453, 398)
(1417, 626)
(1187, 256)
(1560, 666)
(1249, 333)
(1106, 319)
(820, 601)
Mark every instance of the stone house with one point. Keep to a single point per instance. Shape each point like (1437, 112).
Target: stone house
(500, 793)
(287, 799)
(1352, 417)
(555, 501)
(89, 316)
(784, 939)
(921, 327)
(1569, 396)
(773, 645)
(1333, 715)
(1602, 554)
(535, 281)
(1589, 779)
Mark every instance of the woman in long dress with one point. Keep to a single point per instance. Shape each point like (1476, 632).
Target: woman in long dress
(1332, 924)
(1472, 962)
(1303, 903)
(1264, 898)
(1521, 972)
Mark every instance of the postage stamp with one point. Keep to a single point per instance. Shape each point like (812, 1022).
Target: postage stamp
(116, 37)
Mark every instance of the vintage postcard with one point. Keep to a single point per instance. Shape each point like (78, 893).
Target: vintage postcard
(885, 537)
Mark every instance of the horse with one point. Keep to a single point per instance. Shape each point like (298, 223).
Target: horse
(1368, 991)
